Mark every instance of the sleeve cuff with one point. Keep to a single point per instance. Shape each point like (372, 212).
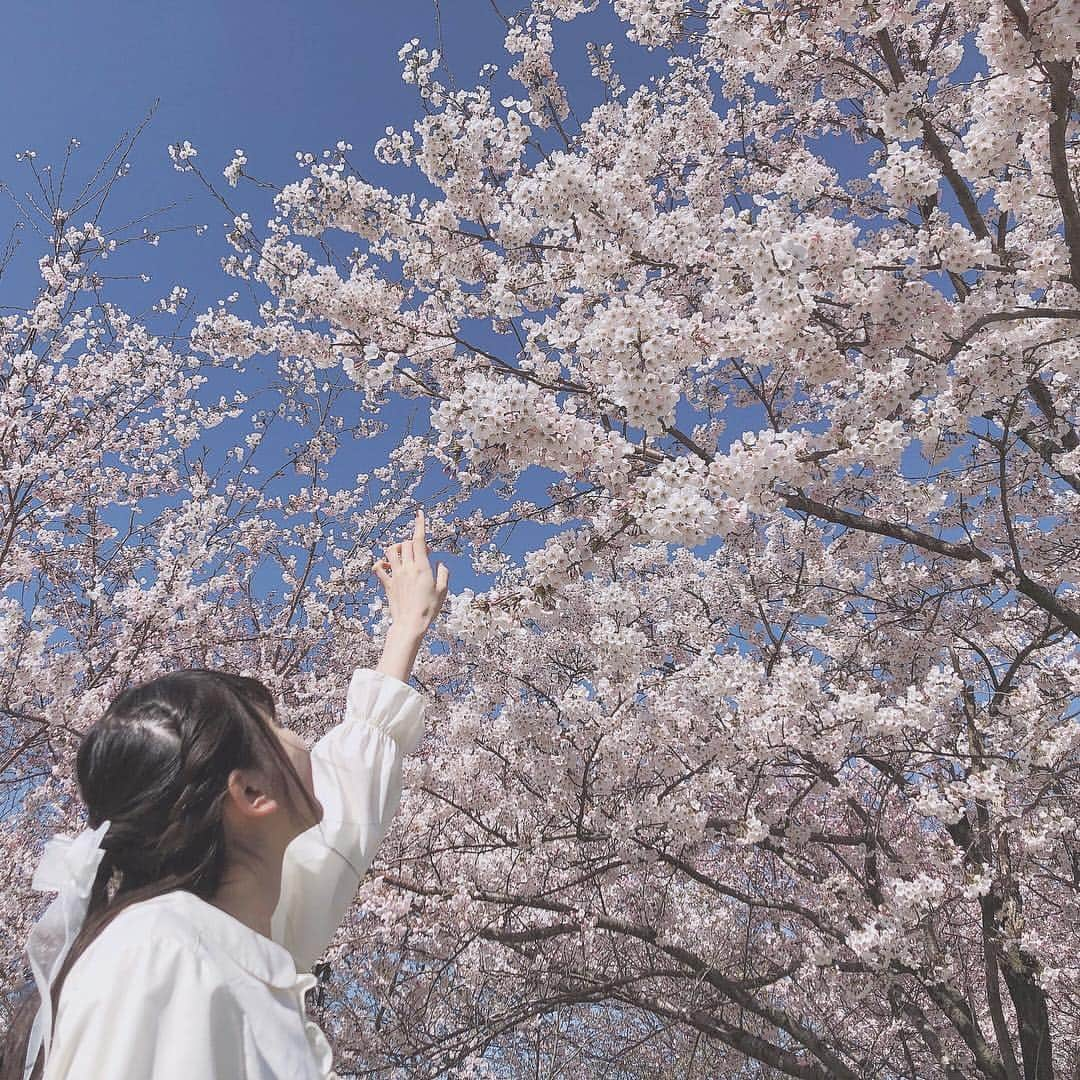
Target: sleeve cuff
(388, 705)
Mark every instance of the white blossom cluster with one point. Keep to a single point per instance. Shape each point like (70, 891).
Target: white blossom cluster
(181, 153)
(235, 169)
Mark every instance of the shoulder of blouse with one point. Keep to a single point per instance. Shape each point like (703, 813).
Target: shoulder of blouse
(115, 968)
(144, 926)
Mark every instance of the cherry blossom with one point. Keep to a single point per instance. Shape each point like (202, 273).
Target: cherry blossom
(761, 754)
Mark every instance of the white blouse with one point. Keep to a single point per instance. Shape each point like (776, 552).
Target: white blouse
(174, 988)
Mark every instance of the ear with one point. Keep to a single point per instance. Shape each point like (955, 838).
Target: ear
(249, 794)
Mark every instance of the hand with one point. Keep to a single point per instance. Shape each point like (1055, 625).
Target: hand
(415, 595)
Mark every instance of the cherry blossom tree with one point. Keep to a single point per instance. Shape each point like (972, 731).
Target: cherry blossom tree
(764, 761)
(806, 804)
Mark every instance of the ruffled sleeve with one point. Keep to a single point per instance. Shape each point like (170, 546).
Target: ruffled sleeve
(154, 1008)
(356, 771)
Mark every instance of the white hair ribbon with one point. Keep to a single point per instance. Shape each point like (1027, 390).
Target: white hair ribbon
(68, 866)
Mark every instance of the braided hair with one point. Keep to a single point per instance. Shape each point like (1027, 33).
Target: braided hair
(157, 766)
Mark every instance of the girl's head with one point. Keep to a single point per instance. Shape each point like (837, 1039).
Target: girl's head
(195, 775)
(191, 768)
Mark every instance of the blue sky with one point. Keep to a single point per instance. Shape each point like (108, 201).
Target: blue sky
(271, 77)
(274, 78)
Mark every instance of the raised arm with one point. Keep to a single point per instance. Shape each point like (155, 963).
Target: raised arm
(356, 769)
(356, 766)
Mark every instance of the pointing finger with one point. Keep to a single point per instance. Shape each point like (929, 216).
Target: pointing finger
(419, 541)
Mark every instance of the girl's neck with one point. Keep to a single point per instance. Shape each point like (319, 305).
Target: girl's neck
(250, 898)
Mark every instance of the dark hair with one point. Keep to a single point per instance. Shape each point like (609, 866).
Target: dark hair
(157, 766)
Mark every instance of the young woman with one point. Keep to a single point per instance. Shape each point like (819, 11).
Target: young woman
(238, 853)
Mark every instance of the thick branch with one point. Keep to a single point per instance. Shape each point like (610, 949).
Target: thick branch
(1008, 316)
(990, 911)
(938, 150)
(1060, 74)
(927, 541)
(1041, 396)
(1042, 596)
(953, 1005)
(752, 1046)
